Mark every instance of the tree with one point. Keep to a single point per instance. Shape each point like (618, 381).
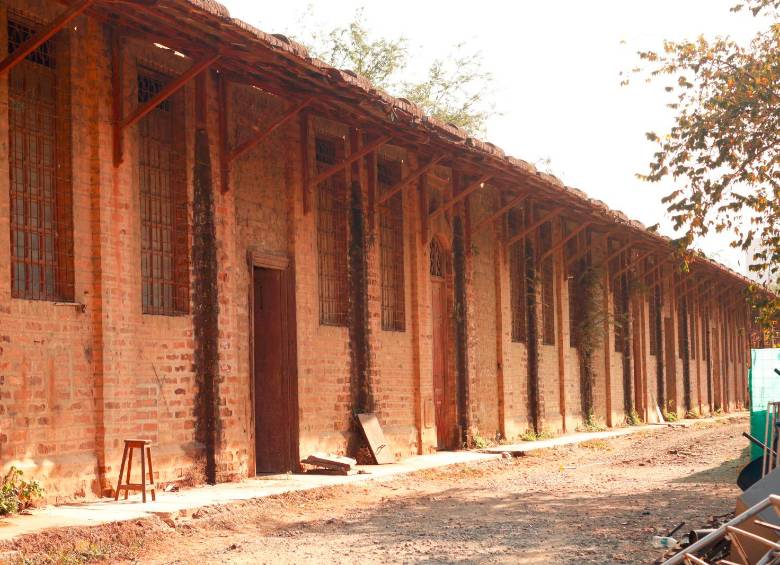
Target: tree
(724, 147)
(456, 90)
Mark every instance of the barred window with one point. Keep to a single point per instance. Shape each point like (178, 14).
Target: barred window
(163, 196)
(332, 246)
(517, 287)
(437, 260)
(39, 170)
(391, 246)
(548, 292)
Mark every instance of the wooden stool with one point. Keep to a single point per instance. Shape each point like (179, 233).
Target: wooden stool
(146, 455)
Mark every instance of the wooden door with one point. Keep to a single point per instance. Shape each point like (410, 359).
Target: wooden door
(441, 392)
(671, 366)
(271, 376)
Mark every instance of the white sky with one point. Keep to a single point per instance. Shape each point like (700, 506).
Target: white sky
(556, 65)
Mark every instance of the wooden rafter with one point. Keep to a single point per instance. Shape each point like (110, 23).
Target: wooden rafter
(516, 201)
(261, 135)
(633, 263)
(656, 267)
(411, 177)
(565, 240)
(473, 187)
(585, 249)
(169, 90)
(551, 215)
(605, 262)
(121, 123)
(362, 152)
(43, 35)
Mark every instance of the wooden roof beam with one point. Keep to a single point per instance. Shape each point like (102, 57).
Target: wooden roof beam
(330, 171)
(462, 195)
(632, 264)
(260, 136)
(411, 177)
(43, 35)
(551, 215)
(170, 89)
(514, 202)
(565, 240)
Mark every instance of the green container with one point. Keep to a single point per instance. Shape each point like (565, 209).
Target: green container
(764, 386)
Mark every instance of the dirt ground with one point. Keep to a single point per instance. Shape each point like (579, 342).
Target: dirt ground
(600, 502)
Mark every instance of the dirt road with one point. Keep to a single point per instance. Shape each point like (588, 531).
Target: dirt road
(597, 503)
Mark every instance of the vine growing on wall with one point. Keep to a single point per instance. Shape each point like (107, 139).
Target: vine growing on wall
(590, 335)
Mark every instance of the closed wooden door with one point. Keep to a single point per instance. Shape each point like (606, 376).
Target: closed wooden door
(671, 365)
(441, 391)
(271, 382)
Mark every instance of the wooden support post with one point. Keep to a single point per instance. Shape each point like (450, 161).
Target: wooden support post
(516, 201)
(117, 94)
(224, 165)
(259, 136)
(353, 157)
(411, 177)
(551, 215)
(462, 195)
(564, 241)
(305, 163)
(43, 35)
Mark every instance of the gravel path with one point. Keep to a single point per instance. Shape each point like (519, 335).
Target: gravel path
(596, 503)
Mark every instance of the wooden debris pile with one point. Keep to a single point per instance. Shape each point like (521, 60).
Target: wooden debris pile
(329, 464)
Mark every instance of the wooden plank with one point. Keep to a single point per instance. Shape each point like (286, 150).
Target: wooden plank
(259, 136)
(375, 438)
(169, 89)
(330, 461)
(473, 187)
(411, 177)
(43, 35)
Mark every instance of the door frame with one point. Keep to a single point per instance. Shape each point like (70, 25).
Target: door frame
(283, 263)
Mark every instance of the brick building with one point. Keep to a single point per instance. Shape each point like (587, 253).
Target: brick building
(211, 240)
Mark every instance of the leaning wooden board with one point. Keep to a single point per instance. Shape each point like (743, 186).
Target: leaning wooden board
(376, 439)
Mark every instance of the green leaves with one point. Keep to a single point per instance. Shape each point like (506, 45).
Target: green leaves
(724, 147)
(456, 90)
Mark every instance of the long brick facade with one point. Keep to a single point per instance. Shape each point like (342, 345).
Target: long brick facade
(85, 369)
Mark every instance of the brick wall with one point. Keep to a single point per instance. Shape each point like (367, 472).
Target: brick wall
(75, 381)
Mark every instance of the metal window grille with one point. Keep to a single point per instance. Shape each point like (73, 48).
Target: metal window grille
(163, 192)
(517, 286)
(39, 170)
(332, 246)
(437, 260)
(391, 244)
(548, 292)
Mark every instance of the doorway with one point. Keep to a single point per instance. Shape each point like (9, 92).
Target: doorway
(273, 373)
(444, 389)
